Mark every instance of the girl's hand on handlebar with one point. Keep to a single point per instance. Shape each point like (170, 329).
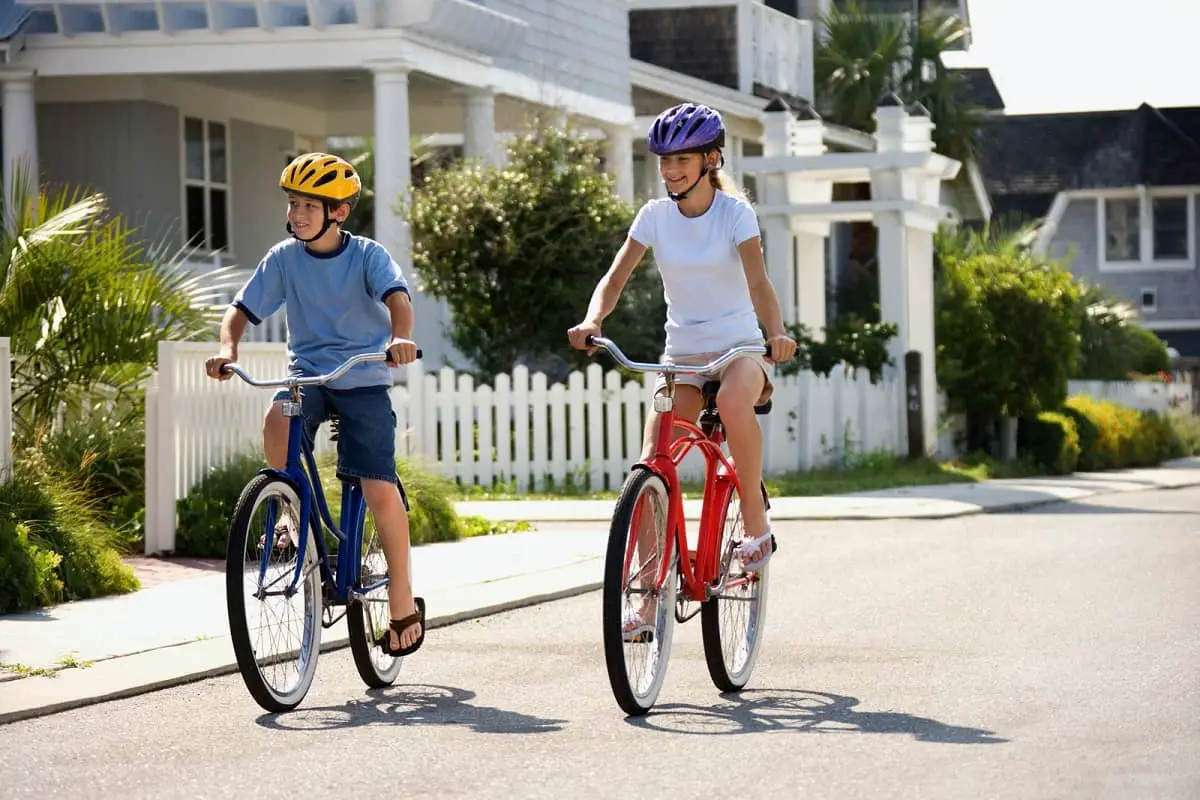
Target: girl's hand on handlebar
(580, 333)
(782, 348)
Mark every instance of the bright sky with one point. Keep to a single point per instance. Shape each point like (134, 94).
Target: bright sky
(1087, 55)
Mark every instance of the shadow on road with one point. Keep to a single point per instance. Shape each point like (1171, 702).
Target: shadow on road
(1074, 508)
(411, 705)
(802, 711)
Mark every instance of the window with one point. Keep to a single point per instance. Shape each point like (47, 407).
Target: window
(1170, 226)
(1122, 237)
(1149, 300)
(206, 186)
(1147, 231)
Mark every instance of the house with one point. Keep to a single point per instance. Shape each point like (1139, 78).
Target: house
(1118, 192)
(184, 112)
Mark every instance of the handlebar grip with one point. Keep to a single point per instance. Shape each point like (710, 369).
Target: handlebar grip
(420, 354)
(590, 340)
(768, 353)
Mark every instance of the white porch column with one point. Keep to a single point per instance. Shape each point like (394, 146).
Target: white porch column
(808, 139)
(479, 124)
(905, 253)
(19, 129)
(778, 123)
(393, 179)
(618, 153)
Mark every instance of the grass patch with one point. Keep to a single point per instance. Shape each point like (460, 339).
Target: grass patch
(860, 473)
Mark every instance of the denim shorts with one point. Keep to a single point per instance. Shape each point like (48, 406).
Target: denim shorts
(366, 445)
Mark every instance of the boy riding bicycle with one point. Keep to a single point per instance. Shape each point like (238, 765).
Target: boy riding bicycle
(344, 295)
(708, 249)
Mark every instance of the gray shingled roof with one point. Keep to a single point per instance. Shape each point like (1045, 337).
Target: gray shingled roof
(1029, 158)
(981, 88)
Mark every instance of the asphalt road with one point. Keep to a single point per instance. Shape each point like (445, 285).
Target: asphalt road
(1048, 654)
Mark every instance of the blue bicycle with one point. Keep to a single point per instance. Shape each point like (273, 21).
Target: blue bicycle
(281, 580)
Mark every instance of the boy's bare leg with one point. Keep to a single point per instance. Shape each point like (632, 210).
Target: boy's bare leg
(275, 437)
(391, 520)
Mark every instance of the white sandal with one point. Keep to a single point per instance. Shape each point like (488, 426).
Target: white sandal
(748, 547)
(634, 629)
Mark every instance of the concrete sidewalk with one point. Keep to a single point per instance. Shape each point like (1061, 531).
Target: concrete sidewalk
(175, 630)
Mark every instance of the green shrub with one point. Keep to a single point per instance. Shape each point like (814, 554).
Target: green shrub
(30, 577)
(202, 518)
(1085, 428)
(1051, 441)
(202, 529)
(1186, 427)
(59, 518)
(105, 456)
(1007, 335)
(1118, 437)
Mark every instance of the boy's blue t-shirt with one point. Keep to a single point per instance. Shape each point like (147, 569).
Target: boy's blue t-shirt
(334, 304)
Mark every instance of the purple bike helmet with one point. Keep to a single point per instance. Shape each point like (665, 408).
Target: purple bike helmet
(686, 128)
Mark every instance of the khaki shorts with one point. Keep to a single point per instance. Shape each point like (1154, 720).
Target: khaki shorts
(698, 380)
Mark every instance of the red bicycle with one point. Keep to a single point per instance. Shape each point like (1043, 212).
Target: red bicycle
(647, 586)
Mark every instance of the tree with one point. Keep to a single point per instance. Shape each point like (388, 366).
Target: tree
(1112, 345)
(86, 303)
(516, 251)
(863, 56)
(1007, 334)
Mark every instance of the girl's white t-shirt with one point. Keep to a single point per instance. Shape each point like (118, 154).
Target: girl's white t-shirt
(708, 298)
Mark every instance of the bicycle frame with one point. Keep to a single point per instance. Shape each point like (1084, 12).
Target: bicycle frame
(720, 479)
(701, 567)
(307, 483)
(308, 486)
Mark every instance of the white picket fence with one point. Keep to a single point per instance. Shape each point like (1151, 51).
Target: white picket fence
(1142, 395)
(6, 406)
(520, 430)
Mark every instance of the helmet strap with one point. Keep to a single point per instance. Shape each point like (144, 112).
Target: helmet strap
(704, 170)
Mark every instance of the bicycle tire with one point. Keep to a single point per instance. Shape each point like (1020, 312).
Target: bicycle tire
(269, 697)
(377, 669)
(632, 702)
(725, 677)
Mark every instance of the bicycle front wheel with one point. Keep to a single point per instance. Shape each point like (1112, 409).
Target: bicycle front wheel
(274, 620)
(367, 618)
(639, 616)
(732, 620)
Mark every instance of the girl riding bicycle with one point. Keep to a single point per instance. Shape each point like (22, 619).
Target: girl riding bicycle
(708, 249)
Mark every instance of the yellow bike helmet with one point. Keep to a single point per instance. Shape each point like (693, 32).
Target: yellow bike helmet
(325, 177)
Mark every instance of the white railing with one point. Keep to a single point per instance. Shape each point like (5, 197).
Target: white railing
(777, 51)
(521, 430)
(773, 48)
(6, 406)
(1142, 395)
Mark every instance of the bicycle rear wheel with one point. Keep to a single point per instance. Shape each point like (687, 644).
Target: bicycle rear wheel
(367, 618)
(731, 621)
(276, 630)
(637, 543)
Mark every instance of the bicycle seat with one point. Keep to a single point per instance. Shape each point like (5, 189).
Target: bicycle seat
(710, 394)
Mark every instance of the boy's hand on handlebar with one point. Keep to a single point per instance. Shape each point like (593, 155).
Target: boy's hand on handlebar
(402, 351)
(782, 348)
(213, 365)
(580, 333)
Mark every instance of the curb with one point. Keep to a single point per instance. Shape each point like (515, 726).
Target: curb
(340, 643)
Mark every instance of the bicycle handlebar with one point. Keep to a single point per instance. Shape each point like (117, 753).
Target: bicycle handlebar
(314, 380)
(675, 369)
